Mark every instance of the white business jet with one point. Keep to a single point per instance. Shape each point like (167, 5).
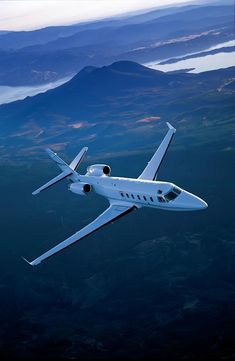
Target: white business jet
(124, 194)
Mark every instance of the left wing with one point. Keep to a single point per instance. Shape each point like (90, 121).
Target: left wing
(112, 213)
(151, 170)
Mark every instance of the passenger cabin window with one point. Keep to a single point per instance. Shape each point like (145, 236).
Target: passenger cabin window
(145, 198)
(161, 199)
(127, 195)
(138, 196)
(133, 196)
(151, 199)
(122, 194)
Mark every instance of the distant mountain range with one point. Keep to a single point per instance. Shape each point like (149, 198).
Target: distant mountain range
(48, 54)
(118, 108)
(21, 39)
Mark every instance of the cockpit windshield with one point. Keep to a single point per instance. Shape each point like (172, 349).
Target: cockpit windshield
(174, 192)
(170, 196)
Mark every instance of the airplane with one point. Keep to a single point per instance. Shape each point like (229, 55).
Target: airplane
(124, 194)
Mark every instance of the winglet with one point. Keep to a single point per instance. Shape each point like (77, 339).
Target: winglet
(27, 261)
(33, 263)
(170, 127)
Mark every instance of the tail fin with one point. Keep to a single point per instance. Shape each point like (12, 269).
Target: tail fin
(78, 159)
(67, 170)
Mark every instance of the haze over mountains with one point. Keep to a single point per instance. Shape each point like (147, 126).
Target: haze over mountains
(48, 54)
(125, 101)
(110, 94)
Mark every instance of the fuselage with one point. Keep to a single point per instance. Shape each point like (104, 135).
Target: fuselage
(144, 193)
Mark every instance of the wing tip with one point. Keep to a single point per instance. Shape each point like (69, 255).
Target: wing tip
(49, 151)
(171, 127)
(24, 259)
(34, 193)
(33, 263)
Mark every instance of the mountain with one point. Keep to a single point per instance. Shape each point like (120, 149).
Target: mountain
(157, 28)
(124, 100)
(160, 37)
(13, 40)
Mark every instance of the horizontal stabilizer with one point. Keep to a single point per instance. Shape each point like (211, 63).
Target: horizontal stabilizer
(55, 180)
(67, 170)
(60, 162)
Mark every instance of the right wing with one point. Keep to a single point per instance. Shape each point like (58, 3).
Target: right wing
(109, 215)
(150, 172)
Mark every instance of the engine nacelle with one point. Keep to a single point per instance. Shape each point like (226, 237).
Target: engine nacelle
(80, 188)
(98, 170)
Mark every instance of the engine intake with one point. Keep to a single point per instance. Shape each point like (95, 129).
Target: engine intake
(98, 170)
(80, 188)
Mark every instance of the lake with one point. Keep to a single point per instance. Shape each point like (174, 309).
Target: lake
(11, 93)
(201, 63)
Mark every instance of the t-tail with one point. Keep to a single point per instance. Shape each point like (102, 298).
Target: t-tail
(68, 170)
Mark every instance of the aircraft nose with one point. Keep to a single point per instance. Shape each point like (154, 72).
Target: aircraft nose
(198, 203)
(189, 201)
(201, 204)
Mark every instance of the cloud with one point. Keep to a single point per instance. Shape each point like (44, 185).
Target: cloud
(148, 119)
(77, 125)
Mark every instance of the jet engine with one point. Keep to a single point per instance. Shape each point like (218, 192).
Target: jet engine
(80, 188)
(98, 170)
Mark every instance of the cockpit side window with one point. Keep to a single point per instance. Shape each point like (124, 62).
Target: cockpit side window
(176, 190)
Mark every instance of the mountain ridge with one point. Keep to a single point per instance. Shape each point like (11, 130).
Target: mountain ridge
(125, 102)
(126, 74)
(160, 38)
